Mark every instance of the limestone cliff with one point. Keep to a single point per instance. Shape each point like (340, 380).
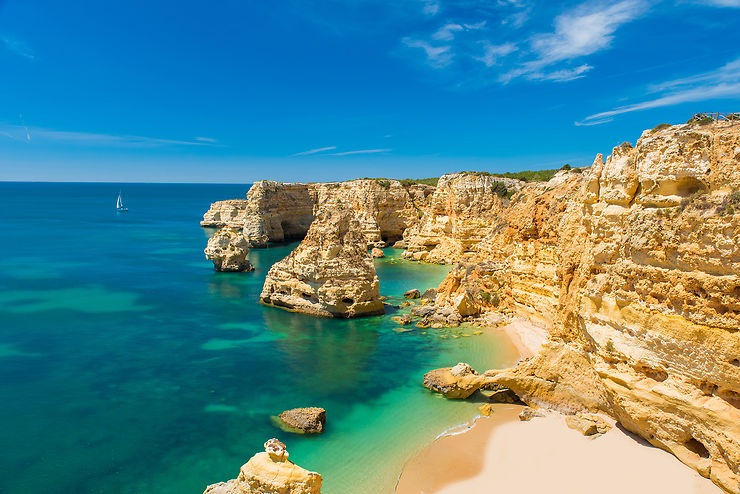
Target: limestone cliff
(276, 211)
(330, 274)
(463, 209)
(634, 266)
(225, 213)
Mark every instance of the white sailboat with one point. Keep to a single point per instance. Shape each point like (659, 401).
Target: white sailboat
(119, 204)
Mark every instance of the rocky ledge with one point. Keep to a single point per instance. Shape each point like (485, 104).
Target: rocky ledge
(270, 472)
(228, 250)
(330, 274)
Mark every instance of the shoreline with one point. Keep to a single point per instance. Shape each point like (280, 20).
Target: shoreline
(502, 451)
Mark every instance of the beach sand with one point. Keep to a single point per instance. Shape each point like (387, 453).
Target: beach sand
(502, 454)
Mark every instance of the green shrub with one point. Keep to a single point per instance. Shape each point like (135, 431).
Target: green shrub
(659, 127)
(495, 300)
(423, 181)
(500, 190)
(386, 184)
(485, 296)
(565, 167)
(609, 345)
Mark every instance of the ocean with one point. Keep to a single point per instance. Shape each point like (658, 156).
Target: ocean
(128, 365)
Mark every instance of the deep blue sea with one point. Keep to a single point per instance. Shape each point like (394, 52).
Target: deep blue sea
(128, 365)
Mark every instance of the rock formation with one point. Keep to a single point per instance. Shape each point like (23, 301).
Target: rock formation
(634, 265)
(330, 273)
(276, 211)
(270, 473)
(309, 420)
(228, 250)
(226, 213)
(459, 381)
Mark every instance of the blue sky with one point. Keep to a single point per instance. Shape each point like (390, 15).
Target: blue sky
(234, 91)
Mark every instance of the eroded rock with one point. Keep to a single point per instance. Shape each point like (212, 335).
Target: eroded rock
(270, 472)
(330, 274)
(308, 420)
(228, 250)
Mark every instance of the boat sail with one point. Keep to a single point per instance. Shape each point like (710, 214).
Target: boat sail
(119, 204)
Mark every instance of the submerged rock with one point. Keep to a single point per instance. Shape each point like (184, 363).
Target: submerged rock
(330, 274)
(270, 472)
(309, 420)
(228, 250)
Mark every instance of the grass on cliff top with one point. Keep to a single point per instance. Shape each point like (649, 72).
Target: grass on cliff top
(386, 182)
(527, 175)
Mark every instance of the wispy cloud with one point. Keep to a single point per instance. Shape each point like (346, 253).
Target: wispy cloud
(436, 56)
(492, 53)
(313, 151)
(723, 82)
(430, 7)
(23, 133)
(720, 3)
(17, 46)
(360, 151)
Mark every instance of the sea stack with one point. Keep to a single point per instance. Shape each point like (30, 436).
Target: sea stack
(228, 250)
(331, 272)
(270, 471)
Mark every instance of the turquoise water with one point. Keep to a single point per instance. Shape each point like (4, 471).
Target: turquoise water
(128, 365)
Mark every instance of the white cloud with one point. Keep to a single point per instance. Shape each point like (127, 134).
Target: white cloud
(721, 3)
(431, 7)
(447, 32)
(361, 151)
(584, 31)
(17, 47)
(491, 53)
(314, 151)
(721, 83)
(437, 56)
(23, 133)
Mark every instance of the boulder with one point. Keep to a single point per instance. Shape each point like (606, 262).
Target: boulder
(587, 424)
(456, 382)
(270, 472)
(528, 413)
(402, 320)
(228, 250)
(330, 274)
(429, 294)
(375, 252)
(414, 293)
(486, 409)
(304, 420)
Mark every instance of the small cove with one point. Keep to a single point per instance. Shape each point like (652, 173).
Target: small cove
(130, 362)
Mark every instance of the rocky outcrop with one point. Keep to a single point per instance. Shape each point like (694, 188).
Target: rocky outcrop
(228, 250)
(270, 472)
(330, 274)
(458, 382)
(229, 213)
(309, 420)
(463, 209)
(277, 211)
(634, 267)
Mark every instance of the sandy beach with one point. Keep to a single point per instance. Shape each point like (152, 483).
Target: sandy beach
(503, 454)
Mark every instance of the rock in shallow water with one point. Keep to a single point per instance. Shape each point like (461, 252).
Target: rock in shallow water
(377, 252)
(459, 381)
(309, 420)
(330, 274)
(414, 293)
(228, 250)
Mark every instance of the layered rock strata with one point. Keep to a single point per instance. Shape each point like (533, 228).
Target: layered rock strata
(228, 250)
(634, 266)
(276, 211)
(330, 274)
(270, 472)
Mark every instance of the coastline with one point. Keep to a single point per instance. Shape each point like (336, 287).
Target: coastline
(502, 451)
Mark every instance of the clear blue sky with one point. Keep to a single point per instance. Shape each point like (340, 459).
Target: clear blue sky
(234, 91)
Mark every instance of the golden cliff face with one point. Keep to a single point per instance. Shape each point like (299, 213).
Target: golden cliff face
(330, 274)
(635, 268)
(277, 211)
